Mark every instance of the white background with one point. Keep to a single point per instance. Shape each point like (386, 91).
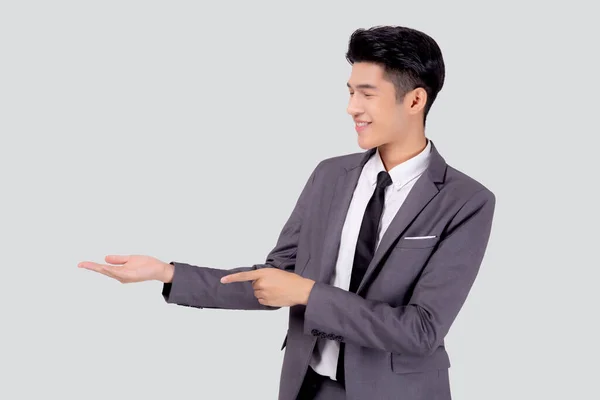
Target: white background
(186, 132)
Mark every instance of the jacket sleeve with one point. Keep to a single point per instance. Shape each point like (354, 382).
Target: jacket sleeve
(200, 287)
(420, 326)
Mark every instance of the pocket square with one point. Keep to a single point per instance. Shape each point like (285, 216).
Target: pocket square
(419, 237)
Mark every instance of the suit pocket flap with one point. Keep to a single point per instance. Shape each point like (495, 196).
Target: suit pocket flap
(403, 364)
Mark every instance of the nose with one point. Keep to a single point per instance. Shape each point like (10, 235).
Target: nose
(354, 107)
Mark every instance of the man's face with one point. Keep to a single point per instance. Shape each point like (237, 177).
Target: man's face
(373, 101)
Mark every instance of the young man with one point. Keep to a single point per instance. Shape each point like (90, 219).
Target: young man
(379, 253)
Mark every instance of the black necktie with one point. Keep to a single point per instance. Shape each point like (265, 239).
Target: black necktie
(365, 247)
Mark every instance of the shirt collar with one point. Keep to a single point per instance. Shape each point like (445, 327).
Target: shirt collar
(402, 173)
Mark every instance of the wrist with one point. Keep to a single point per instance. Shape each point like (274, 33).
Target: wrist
(167, 274)
(309, 285)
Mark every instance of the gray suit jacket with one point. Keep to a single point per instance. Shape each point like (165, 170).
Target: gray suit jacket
(394, 326)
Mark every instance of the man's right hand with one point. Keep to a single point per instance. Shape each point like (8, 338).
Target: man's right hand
(132, 268)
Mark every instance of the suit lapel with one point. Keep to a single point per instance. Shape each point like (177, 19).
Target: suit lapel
(424, 190)
(338, 208)
(422, 193)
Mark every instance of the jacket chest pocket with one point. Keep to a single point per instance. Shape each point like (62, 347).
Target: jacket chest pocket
(417, 242)
(400, 270)
(409, 254)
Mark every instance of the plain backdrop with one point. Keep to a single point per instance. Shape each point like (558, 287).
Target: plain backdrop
(185, 131)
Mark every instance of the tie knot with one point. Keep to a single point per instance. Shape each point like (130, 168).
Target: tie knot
(383, 179)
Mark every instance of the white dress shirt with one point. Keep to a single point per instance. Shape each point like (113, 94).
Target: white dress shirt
(404, 176)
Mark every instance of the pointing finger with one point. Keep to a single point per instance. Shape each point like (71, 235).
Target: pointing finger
(241, 276)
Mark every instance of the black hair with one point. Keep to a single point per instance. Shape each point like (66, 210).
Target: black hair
(410, 58)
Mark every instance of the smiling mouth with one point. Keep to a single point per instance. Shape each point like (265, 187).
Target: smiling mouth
(361, 126)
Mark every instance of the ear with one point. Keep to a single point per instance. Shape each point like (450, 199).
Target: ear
(415, 100)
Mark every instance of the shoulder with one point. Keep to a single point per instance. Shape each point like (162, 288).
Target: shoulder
(343, 161)
(328, 170)
(464, 188)
(336, 164)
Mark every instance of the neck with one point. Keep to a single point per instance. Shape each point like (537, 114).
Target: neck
(397, 152)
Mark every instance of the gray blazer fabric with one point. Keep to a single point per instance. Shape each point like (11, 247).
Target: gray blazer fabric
(394, 326)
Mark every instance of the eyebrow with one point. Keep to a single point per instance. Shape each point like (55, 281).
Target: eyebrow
(362, 86)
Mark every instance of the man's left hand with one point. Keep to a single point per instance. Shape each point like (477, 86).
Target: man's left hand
(275, 287)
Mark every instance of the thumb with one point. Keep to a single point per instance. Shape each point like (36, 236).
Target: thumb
(116, 259)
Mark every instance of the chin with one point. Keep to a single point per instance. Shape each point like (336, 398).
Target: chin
(366, 144)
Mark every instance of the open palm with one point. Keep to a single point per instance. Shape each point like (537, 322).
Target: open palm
(128, 269)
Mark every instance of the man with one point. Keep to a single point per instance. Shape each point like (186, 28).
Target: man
(379, 253)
